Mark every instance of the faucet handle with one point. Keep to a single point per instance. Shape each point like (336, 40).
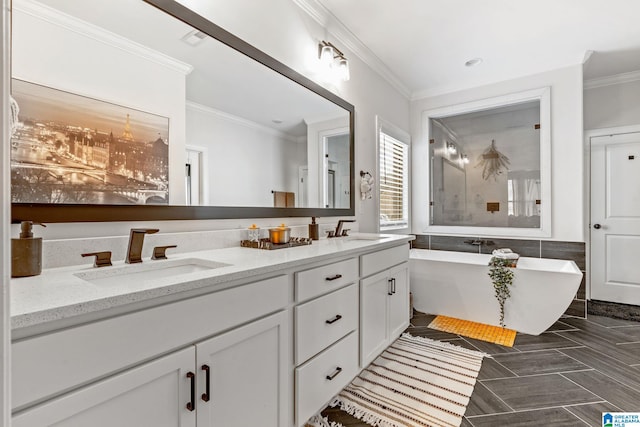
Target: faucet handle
(345, 232)
(103, 259)
(330, 233)
(159, 251)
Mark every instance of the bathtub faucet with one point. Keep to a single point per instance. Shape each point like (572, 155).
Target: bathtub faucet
(475, 242)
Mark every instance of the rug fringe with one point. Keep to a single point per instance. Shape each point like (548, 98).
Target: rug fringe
(320, 421)
(362, 415)
(444, 344)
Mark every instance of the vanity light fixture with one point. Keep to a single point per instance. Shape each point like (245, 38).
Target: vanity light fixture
(451, 148)
(332, 58)
(465, 159)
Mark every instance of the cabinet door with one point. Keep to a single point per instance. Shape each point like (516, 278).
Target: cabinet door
(374, 292)
(154, 394)
(248, 384)
(399, 301)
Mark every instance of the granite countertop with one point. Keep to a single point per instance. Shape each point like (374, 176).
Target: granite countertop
(61, 293)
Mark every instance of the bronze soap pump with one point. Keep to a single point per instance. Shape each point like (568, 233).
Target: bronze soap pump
(26, 252)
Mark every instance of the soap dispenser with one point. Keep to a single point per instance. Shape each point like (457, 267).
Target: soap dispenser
(313, 229)
(26, 252)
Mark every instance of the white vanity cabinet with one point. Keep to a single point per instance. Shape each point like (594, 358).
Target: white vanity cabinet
(211, 383)
(153, 394)
(245, 365)
(245, 371)
(326, 334)
(246, 351)
(384, 301)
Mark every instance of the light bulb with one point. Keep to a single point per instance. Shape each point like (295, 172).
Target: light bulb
(343, 66)
(326, 55)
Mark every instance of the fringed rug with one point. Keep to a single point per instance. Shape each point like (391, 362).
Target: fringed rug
(416, 382)
(478, 331)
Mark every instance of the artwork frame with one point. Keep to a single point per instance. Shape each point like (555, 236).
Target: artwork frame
(68, 148)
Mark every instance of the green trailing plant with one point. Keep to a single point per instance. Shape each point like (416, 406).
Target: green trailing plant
(502, 277)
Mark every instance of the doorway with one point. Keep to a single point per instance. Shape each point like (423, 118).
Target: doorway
(194, 191)
(615, 218)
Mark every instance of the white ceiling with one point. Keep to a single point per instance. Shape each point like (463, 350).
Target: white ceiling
(425, 43)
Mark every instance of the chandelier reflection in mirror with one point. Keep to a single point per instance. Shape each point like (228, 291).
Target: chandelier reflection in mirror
(492, 162)
(333, 60)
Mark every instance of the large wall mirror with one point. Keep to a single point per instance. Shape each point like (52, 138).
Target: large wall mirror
(489, 166)
(144, 110)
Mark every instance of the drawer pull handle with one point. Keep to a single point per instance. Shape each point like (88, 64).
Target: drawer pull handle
(191, 406)
(393, 285)
(206, 394)
(390, 282)
(335, 374)
(336, 277)
(334, 320)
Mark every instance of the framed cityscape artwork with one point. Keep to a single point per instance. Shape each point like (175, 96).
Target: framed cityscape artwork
(68, 148)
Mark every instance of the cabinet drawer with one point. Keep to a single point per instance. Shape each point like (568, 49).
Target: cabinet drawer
(382, 260)
(314, 389)
(324, 320)
(49, 364)
(320, 280)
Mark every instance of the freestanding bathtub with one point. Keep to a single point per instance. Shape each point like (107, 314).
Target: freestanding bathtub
(457, 284)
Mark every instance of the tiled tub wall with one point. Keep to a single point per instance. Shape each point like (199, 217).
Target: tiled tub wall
(574, 251)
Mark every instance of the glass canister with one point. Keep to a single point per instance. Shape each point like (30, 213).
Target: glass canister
(254, 233)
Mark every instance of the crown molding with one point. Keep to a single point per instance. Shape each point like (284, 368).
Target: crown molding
(223, 115)
(616, 79)
(71, 23)
(319, 13)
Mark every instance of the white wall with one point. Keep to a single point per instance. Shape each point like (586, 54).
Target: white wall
(269, 160)
(612, 105)
(567, 156)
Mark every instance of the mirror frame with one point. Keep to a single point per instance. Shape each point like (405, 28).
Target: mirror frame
(56, 213)
(422, 176)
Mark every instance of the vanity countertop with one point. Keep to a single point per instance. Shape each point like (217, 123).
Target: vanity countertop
(59, 293)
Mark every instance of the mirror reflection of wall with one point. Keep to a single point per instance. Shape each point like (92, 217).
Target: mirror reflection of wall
(485, 167)
(257, 127)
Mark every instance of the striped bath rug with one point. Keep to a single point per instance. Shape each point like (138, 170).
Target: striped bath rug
(415, 382)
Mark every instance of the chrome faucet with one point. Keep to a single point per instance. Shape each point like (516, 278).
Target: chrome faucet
(339, 231)
(136, 239)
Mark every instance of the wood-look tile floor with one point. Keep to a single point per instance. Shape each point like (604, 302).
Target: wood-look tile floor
(566, 376)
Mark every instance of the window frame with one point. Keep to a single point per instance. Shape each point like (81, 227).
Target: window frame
(399, 135)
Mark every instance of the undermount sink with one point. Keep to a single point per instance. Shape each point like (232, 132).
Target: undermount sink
(149, 270)
(365, 238)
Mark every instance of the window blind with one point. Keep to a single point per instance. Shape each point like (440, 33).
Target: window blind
(394, 194)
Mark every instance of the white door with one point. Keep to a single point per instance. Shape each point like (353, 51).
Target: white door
(615, 218)
(245, 373)
(193, 175)
(154, 394)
